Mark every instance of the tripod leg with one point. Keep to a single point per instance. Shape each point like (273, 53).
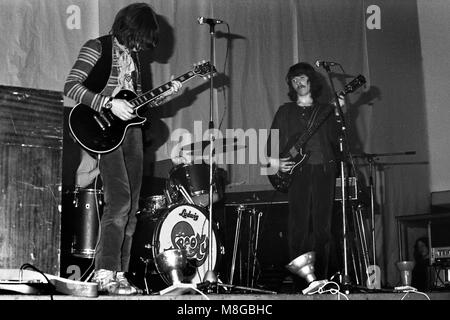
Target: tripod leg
(256, 248)
(236, 242)
(250, 246)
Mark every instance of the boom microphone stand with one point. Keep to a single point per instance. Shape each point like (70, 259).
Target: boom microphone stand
(340, 120)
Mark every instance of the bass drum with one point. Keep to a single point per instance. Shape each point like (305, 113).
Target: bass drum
(181, 227)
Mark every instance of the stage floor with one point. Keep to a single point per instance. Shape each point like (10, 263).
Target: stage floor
(243, 297)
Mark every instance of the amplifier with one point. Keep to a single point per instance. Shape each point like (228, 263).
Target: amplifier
(440, 255)
(440, 241)
(352, 189)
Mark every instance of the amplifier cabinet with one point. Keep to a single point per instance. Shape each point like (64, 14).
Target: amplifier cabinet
(439, 241)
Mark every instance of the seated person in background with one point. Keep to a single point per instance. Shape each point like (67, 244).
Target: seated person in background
(420, 274)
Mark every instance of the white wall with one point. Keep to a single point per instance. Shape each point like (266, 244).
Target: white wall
(434, 22)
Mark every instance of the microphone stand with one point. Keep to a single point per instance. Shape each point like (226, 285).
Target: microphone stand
(210, 281)
(210, 276)
(345, 281)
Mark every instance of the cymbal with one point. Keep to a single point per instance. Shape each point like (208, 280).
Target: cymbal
(219, 145)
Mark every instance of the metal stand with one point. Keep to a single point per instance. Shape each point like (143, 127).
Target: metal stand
(253, 240)
(371, 161)
(210, 275)
(210, 282)
(340, 120)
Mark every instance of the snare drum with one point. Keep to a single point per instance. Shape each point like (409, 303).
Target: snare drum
(194, 178)
(181, 227)
(88, 209)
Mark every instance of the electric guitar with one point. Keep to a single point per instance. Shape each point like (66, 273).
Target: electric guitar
(294, 147)
(103, 132)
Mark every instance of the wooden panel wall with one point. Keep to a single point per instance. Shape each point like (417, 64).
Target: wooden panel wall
(31, 127)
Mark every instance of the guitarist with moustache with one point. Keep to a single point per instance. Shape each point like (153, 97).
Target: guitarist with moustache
(312, 184)
(105, 66)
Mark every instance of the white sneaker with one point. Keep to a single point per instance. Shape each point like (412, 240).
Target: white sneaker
(106, 280)
(125, 287)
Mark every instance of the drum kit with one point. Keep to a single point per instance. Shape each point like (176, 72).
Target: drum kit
(177, 219)
(174, 220)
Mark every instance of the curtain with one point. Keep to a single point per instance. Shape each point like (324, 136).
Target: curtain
(378, 39)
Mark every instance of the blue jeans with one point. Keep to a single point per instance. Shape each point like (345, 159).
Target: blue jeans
(121, 172)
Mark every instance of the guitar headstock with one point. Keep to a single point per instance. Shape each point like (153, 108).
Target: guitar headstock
(353, 85)
(204, 69)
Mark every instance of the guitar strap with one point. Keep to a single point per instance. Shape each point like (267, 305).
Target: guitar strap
(312, 118)
(315, 121)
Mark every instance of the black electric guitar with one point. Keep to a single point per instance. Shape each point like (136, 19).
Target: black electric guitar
(294, 147)
(102, 132)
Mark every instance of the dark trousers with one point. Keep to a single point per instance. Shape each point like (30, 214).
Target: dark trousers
(121, 173)
(311, 197)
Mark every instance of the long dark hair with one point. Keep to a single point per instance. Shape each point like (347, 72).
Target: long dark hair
(306, 69)
(136, 26)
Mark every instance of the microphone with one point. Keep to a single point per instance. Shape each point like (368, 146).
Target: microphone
(210, 21)
(320, 63)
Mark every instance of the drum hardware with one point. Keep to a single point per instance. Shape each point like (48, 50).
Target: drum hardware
(253, 239)
(169, 198)
(186, 195)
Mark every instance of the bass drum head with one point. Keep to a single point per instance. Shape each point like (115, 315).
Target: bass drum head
(186, 227)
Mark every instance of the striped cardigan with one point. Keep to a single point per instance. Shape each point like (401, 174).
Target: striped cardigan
(88, 56)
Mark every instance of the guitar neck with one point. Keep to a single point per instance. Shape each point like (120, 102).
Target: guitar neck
(153, 94)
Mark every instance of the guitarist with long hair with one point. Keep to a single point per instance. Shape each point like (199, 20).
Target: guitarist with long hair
(312, 172)
(104, 67)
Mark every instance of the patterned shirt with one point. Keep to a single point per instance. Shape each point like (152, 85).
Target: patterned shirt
(121, 77)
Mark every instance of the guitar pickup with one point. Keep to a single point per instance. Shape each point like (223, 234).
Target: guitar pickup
(109, 115)
(99, 122)
(105, 118)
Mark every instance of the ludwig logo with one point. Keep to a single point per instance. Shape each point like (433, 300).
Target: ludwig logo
(188, 214)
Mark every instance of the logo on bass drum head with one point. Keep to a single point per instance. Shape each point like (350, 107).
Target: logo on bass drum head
(183, 236)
